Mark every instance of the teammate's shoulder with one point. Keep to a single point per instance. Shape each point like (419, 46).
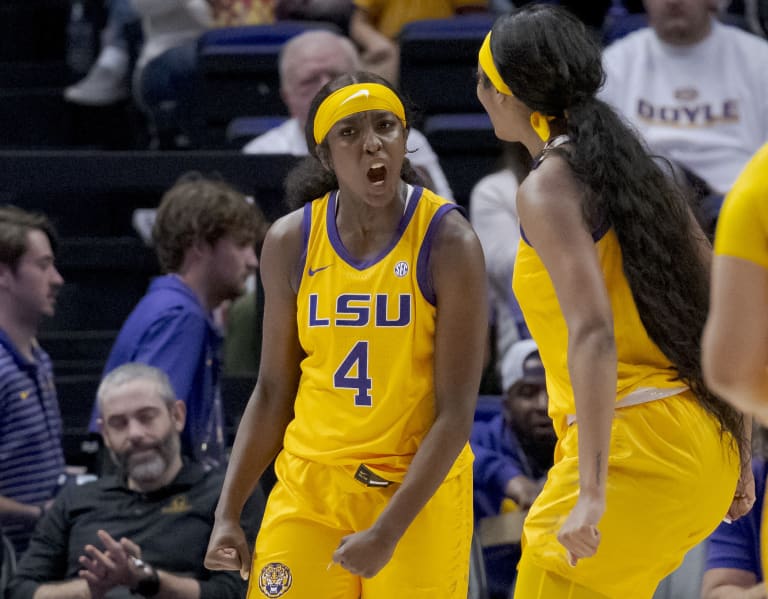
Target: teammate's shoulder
(453, 227)
(427, 195)
(287, 226)
(550, 188)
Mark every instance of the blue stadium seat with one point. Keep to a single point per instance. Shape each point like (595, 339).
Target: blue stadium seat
(91, 196)
(619, 22)
(467, 147)
(243, 129)
(438, 62)
(238, 67)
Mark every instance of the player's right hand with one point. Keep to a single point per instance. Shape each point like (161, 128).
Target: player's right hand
(579, 534)
(228, 549)
(744, 497)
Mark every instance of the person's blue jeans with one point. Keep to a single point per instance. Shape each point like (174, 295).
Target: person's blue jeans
(123, 25)
(168, 91)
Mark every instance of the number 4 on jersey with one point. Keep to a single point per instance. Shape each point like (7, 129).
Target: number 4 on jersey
(352, 373)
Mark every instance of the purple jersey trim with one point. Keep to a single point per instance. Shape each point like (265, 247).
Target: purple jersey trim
(422, 264)
(306, 223)
(333, 231)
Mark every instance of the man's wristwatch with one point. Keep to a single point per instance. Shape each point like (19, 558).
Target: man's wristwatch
(149, 583)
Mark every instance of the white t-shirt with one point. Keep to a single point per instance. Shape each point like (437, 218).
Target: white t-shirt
(288, 138)
(704, 106)
(167, 24)
(493, 213)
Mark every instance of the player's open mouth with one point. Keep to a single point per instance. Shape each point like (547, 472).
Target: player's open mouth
(377, 173)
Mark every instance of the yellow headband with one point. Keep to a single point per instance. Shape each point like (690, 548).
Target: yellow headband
(352, 99)
(539, 122)
(489, 67)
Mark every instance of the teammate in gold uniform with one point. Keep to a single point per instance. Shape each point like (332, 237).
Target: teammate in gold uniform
(735, 344)
(374, 334)
(611, 277)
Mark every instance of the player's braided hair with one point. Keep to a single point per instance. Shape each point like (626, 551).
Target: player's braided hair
(553, 65)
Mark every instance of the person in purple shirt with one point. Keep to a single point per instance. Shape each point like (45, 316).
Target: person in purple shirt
(733, 568)
(205, 235)
(31, 456)
(513, 452)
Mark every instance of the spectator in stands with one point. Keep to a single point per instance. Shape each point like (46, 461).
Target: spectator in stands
(733, 569)
(242, 337)
(695, 89)
(31, 455)
(165, 82)
(514, 450)
(375, 25)
(592, 13)
(493, 212)
(231, 13)
(330, 11)
(307, 62)
(204, 235)
(107, 81)
(144, 529)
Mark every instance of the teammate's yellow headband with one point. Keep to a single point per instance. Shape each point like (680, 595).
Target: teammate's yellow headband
(489, 67)
(352, 99)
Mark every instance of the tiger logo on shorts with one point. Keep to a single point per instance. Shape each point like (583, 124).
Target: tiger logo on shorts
(275, 579)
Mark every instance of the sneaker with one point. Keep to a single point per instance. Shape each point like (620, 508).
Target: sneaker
(143, 220)
(102, 86)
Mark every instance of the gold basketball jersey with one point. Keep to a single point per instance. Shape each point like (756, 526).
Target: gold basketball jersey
(366, 393)
(742, 227)
(641, 364)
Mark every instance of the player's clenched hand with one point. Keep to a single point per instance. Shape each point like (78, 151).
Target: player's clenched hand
(364, 553)
(579, 534)
(228, 549)
(744, 497)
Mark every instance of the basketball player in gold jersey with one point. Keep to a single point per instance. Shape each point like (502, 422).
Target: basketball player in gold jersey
(735, 344)
(374, 333)
(612, 279)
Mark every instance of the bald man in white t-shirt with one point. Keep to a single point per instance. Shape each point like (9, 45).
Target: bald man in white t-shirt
(309, 61)
(696, 89)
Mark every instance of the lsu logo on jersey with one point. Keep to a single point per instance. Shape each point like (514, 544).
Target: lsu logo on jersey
(275, 579)
(360, 309)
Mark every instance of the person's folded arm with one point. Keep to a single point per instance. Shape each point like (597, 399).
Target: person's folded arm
(731, 583)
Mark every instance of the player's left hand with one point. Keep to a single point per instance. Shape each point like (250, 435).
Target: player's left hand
(364, 553)
(744, 497)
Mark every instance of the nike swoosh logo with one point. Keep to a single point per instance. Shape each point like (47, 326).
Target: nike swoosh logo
(362, 93)
(312, 272)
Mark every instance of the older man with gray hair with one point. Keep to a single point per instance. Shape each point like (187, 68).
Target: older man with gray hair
(307, 62)
(144, 531)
